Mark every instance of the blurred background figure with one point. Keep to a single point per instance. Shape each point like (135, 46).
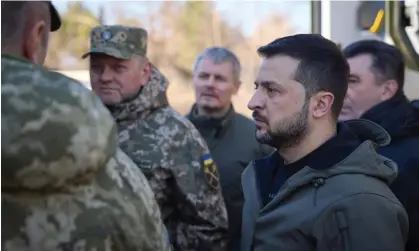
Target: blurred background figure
(229, 135)
(375, 92)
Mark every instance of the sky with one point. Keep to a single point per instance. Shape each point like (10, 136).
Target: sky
(245, 14)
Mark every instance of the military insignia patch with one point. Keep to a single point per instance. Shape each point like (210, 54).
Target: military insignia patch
(106, 35)
(210, 172)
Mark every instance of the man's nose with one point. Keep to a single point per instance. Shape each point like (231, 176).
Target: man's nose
(210, 82)
(106, 75)
(256, 101)
(347, 94)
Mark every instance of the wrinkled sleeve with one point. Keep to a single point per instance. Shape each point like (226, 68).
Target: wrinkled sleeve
(149, 232)
(362, 222)
(203, 212)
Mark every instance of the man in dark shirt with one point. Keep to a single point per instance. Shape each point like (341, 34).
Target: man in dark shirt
(375, 92)
(325, 188)
(229, 135)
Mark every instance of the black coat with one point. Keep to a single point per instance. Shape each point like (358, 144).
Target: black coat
(401, 120)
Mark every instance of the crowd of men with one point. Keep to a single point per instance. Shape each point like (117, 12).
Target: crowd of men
(330, 160)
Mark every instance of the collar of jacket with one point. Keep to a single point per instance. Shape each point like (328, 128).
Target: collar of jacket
(152, 96)
(397, 116)
(216, 126)
(363, 160)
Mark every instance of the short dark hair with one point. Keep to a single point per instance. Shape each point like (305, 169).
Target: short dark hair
(13, 17)
(322, 65)
(387, 60)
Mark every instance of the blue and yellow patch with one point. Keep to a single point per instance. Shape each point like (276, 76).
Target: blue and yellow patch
(210, 172)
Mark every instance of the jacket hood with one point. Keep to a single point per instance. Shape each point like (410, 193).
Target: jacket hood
(364, 160)
(152, 96)
(398, 116)
(54, 131)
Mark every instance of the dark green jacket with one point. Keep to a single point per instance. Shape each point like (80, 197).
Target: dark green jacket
(344, 207)
(232, 143)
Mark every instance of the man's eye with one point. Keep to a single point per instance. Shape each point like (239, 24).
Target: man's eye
(272, 90)
(119, 68)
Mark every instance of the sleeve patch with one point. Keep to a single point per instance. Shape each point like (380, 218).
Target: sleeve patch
(210, 172)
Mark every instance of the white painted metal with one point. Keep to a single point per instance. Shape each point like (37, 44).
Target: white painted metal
(338, 23)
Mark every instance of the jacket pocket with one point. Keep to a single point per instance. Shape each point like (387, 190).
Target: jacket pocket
(337, 232)
(343, 227)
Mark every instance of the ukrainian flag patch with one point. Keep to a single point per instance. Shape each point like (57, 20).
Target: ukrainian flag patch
(210, 172)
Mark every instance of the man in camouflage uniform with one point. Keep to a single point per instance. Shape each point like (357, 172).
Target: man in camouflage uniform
(65, 185)
(163, 143)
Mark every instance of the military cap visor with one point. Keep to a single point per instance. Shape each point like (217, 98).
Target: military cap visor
(108, 51)
(55, 17)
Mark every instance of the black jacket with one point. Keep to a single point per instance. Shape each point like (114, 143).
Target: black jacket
(401, 120)
(233, 145)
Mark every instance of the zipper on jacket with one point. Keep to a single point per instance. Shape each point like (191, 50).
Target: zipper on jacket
(252, 244)
(257, 187)
(317, 182)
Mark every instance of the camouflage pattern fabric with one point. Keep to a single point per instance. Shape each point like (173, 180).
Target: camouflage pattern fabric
(65, 184)
(177, 162)
(118, 41)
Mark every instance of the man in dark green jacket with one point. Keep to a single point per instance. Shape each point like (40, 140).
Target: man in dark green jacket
(325, 188)
(230, 136)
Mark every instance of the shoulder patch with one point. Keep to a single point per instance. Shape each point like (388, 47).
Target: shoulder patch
(210, 172)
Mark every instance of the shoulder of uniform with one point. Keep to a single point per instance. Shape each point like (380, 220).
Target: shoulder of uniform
(19, 72)
(182, 123)
(179, 125)
(40, 105)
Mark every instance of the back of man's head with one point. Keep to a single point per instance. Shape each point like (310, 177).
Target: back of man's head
(25, 27)
(322, 66)
(387, 60)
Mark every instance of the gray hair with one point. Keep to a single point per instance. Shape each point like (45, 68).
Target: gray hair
(220, 55)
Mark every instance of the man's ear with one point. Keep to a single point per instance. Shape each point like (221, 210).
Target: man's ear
(33, 42)
(389, 89)
(321, 104)
(146, 72)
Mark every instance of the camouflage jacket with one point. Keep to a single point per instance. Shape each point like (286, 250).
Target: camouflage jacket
(177, 162)
(64, 183)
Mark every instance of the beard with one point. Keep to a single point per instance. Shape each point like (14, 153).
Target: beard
(288, 132)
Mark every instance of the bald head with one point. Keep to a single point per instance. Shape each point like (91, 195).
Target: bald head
(25, 27)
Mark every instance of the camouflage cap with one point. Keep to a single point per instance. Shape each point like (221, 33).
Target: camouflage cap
(118, 41)
(55, 17)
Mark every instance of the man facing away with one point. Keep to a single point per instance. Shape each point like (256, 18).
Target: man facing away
(164, 145)
(229, 135)
(64, 183)
(325, 188)
(375, 92)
